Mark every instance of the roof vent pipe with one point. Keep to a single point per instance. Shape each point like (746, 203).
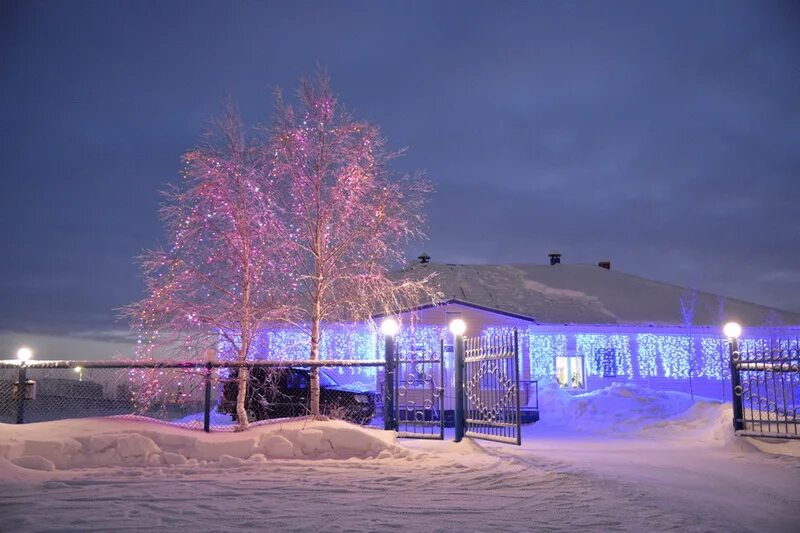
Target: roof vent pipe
(605, 264)
(555, 257)
(424, 258)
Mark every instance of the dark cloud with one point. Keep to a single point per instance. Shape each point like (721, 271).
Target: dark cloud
(665, 137)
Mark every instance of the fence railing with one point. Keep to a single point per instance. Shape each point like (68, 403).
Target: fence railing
(766, 387)
(188, 394)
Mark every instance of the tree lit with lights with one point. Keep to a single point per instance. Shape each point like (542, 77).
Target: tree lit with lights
(300, 228)
(346, 215)
(217, 281)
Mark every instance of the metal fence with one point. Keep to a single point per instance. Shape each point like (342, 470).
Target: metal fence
(492, 388)
(192, 395)
(766, 387)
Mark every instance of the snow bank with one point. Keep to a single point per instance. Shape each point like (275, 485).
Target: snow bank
(102, 442)
(627, 408)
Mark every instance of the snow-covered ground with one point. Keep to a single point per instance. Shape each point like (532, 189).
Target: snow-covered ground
(619, 459)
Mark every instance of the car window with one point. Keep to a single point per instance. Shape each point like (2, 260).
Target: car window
(325, 380)
(297, 380)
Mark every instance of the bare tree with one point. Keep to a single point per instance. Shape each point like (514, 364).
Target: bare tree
(688, 308)
(773, 321)
(347, 216)
(217, 280)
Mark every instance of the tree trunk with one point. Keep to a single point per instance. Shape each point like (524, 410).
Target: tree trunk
(314, 385)
(241, 410)
(241, 397)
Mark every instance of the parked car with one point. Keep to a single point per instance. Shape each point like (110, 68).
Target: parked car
(284, 392)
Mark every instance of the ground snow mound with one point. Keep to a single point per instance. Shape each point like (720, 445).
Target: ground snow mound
(708, 421)
(626, 408)
(101, 442)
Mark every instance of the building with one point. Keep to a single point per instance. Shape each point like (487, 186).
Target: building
(587, 325)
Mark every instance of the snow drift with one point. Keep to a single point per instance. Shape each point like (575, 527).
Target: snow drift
(103, 442)
(628, 408)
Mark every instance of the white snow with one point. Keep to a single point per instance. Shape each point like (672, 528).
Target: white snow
(109, 442)
(620, 408)
(623, 458)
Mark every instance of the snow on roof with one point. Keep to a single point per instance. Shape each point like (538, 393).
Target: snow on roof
(585, 294)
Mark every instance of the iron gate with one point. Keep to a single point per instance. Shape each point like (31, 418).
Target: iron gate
(491, 388)
(419, 388)
(766, 387)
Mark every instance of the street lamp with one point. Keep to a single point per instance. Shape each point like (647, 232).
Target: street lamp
(458, 327)
(79, 370)
(732, 330)
(390, 327)
(24, 354)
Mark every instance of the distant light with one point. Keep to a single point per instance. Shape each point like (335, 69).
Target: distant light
(78, 369)
(458, 327)
(390, 327)
(732, 330)
(24, 354)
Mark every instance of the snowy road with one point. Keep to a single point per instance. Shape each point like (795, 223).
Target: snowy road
(441, 487)
(446, 493)
(623, 460)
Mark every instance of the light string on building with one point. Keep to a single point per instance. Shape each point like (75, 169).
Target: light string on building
(544, 348)
(597, 348)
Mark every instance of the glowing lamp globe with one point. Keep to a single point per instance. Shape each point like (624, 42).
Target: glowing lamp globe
(24, 354)
(732, 330)
(390, 327)
(458, 327)
(77, 369)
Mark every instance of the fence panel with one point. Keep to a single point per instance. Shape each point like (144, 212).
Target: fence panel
(191, 395)
(491, 388)
(766, 387)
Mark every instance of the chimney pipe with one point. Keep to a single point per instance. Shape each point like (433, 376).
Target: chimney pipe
(605, 264)
(555, 257)
(424, 258)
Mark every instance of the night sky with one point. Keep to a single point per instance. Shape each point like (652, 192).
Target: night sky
(665, 138)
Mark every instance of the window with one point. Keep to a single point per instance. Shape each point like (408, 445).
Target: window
(569, 371)
(605, 362)
(326, 380)
(299, 379)
(296, 380)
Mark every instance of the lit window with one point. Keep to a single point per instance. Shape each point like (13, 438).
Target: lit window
(569, 372)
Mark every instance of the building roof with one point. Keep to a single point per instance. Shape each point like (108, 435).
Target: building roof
(586, 294)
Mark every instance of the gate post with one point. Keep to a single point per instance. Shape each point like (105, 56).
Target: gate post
(389, 328)
(22, 391)
(207, 405)
(732, 330)
(457, 328)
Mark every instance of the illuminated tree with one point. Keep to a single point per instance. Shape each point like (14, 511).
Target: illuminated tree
(773, 322)
(217, 281)
(688, 308)
(346, 216)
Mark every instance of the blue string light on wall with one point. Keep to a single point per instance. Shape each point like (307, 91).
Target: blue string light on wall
(597, 348)
(339, 342)
(669, 353)
(713, 358)
(543, 349)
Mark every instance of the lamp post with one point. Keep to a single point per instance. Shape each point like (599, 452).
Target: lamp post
(733, 331)
(389, 328)
(457, 328)
(24, 355)
(79, 370)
